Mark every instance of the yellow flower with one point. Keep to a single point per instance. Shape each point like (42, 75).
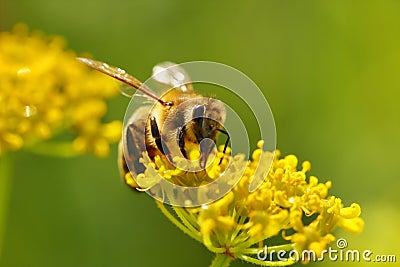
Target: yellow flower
(288, 203)
(176, 173)
(44, 91)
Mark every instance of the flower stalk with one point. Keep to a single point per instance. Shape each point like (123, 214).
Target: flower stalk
(178, 224)
(221, 260)
(6, 166)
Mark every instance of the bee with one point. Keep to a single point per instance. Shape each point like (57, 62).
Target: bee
(179, 119)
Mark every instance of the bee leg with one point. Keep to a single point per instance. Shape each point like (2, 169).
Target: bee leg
(155, 132)
(181, 140)
(205, 151)
(226, 142)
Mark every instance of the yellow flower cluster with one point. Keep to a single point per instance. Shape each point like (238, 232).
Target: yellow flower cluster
(288, 203)
(177, 173)
(44, 90)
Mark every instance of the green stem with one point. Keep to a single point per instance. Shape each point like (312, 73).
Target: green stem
(210, 246)
(186, 219)
(167, 214)
(5, 188)
(221, 260)
(237, 229)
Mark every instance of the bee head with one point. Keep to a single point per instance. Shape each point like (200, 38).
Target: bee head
(207, 119)
(203, 120)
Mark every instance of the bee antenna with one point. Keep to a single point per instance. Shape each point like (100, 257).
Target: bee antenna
(226, 142)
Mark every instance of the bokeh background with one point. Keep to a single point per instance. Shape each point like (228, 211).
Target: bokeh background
(330, 71)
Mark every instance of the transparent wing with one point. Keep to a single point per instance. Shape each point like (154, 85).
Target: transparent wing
(172, 75)
(133, 140)
(122, 76)
(129, 91)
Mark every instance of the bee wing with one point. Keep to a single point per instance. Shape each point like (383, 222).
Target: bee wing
(172, 75)
(129, 91)
(122, 76)
(133, 143)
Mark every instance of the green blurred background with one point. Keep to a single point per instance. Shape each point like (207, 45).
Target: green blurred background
(329, 69)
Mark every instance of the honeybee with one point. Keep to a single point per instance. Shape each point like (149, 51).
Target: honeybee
(178, 119)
